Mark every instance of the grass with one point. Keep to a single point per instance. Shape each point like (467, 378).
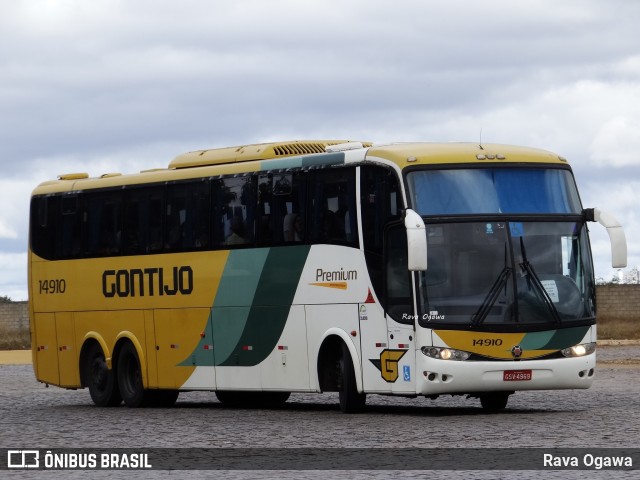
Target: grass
(612, 328)
(12, 340)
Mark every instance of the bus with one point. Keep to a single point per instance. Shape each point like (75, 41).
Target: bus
(409, 269)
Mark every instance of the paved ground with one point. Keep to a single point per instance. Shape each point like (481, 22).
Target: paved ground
(608, 414)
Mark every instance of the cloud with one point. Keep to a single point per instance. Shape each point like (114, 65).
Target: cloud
(119, 85)
(14, 276)
(617, 142)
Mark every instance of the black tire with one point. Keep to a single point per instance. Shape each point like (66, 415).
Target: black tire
(494, 400)
(101, 381)
(350, 400)
(130, 376)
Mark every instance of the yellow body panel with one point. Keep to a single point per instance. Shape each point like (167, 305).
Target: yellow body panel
(494, 345)
(408, 154)
(177, 333)
(64, 320)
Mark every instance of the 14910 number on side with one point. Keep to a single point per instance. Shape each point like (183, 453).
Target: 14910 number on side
(53, 286)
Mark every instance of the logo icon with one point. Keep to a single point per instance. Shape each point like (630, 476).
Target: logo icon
(23, 459)
(388, 364)
(517, 351)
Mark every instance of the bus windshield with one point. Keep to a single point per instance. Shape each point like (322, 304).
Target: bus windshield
(506, 273)
(493, 191)
(515, 254)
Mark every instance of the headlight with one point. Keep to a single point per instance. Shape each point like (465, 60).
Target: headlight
(579, 350)
(445, 353)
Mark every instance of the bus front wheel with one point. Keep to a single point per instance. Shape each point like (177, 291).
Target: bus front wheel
(130, 376)
(350, 400)
(101, 381)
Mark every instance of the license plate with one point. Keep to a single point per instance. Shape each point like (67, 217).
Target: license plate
(516, 375)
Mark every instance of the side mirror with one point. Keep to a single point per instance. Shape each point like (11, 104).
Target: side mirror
(616, 235)
(416, 241)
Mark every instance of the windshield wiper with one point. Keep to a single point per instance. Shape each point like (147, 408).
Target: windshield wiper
(482, 313)
(533, 280)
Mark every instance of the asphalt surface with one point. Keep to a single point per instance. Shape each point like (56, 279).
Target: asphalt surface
(607, 415)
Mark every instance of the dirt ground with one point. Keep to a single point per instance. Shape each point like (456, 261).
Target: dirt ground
(15, 357)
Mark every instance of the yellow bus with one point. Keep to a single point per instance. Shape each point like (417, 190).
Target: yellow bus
(413, 269)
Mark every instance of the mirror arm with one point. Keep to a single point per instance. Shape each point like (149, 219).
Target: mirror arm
(616, 234)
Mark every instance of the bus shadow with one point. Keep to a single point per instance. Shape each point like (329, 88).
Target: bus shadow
(371, 409)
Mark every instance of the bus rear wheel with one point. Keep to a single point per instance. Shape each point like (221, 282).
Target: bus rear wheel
(494, 400)
(130, 376)
(101, 381)
(350, 400)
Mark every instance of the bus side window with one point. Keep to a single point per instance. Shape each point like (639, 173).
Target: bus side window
(155, 220)
(142, 220)
(380, 203)
(236, 216)
(397, 275)
(103, 224)
(133, 213)
(187, 216)
(332, 207)
(266, 211)
(44, 211)
(280, 212)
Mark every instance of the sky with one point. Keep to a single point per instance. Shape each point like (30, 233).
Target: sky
(124, 85)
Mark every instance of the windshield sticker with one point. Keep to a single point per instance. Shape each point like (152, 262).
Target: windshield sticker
(517, 230)
(552, 289)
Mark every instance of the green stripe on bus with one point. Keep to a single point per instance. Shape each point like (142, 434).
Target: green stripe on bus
(566, 337)
(554, 339)
(231, 306)
(270, 309)
(536, 340)
(322, 159)
(240, 277)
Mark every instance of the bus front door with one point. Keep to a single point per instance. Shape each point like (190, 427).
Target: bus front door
(400, 361)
